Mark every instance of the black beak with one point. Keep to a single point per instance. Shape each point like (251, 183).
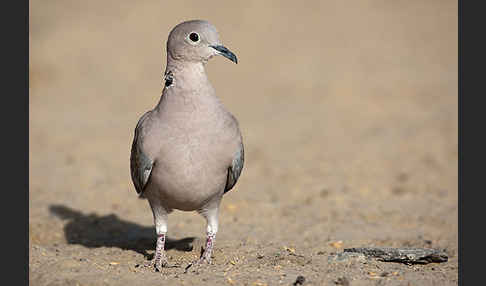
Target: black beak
(226, 53)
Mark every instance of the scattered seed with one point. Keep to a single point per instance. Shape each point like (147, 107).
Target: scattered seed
(336, 244)
(289, 249)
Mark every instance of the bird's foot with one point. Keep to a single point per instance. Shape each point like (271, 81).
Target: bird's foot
(160, 259)
(158, 262)
(205, 258)
(197, 264)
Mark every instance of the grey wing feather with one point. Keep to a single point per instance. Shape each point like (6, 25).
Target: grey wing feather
(234, 170)
(140, 164)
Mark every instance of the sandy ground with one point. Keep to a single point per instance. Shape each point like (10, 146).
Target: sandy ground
(348, 111)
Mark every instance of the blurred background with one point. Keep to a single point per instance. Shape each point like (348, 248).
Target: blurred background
(348, 111)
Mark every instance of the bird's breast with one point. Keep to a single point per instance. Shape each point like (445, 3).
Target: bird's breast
(191, 168)
(194, 143)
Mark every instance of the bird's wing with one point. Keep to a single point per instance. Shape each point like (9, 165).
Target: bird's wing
(140, 164)
(234, 170)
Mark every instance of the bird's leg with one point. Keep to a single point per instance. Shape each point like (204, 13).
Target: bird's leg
(160, 219)
(160, 259)
(206, 256)
(211, 217)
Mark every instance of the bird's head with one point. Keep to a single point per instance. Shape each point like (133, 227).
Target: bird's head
(196, 41)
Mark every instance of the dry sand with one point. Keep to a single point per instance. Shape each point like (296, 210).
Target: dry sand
(349, 115)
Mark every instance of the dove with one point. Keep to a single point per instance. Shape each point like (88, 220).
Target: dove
(187, 152)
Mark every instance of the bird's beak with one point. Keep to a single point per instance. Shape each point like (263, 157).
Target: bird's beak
(222, 50)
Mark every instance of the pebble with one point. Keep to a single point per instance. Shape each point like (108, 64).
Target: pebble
(299, 281)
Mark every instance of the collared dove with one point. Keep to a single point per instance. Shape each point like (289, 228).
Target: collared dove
(187, 151)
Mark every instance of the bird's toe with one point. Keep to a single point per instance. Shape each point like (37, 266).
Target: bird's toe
(196, 265)
(157, 264)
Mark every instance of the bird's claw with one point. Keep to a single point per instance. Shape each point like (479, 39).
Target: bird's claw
(204, 260)
(157, 264)
(199, 262)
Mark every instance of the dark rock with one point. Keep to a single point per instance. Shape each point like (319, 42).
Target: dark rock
(403, 255)
(299, 281)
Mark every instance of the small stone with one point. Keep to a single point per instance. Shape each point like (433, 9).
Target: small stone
(385, 274)
(299, 281)
(342, 281)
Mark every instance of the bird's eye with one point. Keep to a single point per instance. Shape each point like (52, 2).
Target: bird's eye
(194, 37)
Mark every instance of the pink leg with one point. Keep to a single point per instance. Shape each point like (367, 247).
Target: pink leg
(160, 259)
(206, 256)
(160, 220)
(211, 215)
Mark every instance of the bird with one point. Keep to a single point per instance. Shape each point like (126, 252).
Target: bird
(187, 152)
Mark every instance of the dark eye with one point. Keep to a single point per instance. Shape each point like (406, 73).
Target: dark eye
(194, 37)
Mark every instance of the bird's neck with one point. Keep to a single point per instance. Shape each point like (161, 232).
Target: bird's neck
(188, 74)
(185, 81)
(181, 66)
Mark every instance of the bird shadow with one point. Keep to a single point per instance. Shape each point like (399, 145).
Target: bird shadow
(94, 231)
